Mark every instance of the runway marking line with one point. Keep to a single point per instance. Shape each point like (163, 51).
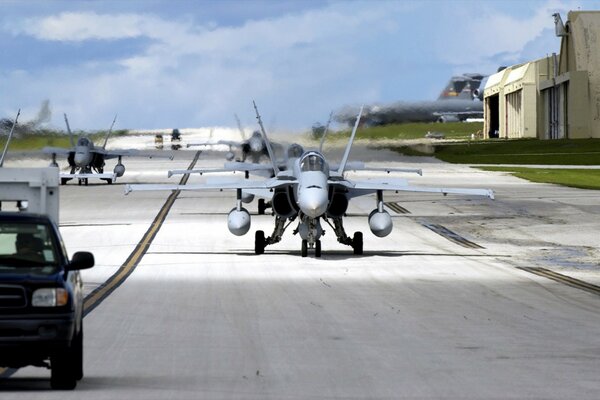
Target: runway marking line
(451, 236)
(397, 208)
(567, 280)
(95, 298)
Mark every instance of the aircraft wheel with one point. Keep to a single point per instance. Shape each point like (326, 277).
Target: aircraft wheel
(63, 181)
(109, 181)
(318, 249)
(304, 249)
(79, 182)
(357, 243)
(85, 181)
(259, 242)
(261, 206)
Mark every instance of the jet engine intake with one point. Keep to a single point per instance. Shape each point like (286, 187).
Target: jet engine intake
(119, 170)
(247, 197)
(282, 206)
(337, 205)
(380, 223)
(238, 221)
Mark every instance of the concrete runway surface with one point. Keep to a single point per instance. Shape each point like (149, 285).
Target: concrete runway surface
(508, 310)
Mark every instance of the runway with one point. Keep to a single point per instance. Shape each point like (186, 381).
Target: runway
(418, 316)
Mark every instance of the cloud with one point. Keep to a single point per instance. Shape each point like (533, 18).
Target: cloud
(298, 66)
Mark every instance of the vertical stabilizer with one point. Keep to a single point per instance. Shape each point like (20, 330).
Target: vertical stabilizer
(349, 145)
(69, 131)
(12, 130)
(239, 124)
(266, 139)
(109, 131)
(325, 132)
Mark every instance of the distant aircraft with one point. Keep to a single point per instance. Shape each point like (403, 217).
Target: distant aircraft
(461, 99)
(253, 147)
(87, 161)
(311, 191)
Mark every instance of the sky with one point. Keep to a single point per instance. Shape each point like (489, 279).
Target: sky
(185, 64)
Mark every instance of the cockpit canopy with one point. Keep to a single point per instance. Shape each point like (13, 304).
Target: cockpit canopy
(312, 162)
(83, 142)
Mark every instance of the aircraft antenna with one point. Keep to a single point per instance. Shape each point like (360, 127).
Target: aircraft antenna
(9, 137)
(239, 124)
(69, 131)
(325, 132)
(267, 143)
(349, 145)
(109, 131)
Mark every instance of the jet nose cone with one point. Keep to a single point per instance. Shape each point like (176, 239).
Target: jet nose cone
(81, 159)
(313, 202)
(256, 145)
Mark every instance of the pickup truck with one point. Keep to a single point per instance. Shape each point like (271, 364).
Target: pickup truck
(41, 299)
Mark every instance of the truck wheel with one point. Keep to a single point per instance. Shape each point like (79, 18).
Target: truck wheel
(63, 375)
(77, 349)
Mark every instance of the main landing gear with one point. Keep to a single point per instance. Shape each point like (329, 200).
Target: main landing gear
(311, 232)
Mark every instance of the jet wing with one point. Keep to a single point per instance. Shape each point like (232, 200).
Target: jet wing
(215, 184)
(360, 166)
(230, 143)
(57, 150)
(228, 167)
(108, 154)
(360, 188)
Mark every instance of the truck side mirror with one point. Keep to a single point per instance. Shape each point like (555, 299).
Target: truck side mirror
(81, 260)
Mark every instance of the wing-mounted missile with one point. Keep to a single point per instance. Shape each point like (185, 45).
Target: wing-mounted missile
(10, 134)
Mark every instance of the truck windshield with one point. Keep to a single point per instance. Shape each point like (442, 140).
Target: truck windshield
(27, 246)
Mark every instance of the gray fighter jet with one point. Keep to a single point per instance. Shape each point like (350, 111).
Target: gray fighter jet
(311, 191)
(461, 99)
(87, 160)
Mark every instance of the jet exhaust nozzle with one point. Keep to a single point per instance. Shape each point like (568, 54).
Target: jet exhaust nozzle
(380, 223)
(238, 221)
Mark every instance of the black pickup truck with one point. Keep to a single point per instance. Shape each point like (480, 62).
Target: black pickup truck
(41, 300)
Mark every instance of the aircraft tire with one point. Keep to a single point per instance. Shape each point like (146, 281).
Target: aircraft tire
(86, 181)
(318, 249)
(109, 181)
(304, 248)
(259, 242)
(357, 243)
(63, 181)
(261, 206)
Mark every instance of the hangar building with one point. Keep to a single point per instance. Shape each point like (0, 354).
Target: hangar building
(554, 97)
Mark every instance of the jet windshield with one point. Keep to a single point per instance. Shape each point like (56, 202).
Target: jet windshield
(83, 142)
(312, 162)
(27, 247)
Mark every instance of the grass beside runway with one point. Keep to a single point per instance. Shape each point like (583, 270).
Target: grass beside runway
(577, 178)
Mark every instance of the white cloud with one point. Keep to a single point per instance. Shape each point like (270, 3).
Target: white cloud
(297, 66)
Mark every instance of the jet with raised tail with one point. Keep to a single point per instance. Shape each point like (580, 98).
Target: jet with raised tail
(312, 192)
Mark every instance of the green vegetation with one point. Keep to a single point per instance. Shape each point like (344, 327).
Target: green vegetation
(578, 178)
(451, 130)
(525, 151)
(41, 139)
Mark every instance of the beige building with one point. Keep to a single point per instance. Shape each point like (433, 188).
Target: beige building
(554, 97)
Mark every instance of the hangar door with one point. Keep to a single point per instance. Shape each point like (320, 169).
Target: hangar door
(555, 104)
(492, 115)
(514, 114)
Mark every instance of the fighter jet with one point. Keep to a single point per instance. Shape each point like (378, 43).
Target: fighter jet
(311, 191)
(460, 99)
(253, 147)
(87, 160)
